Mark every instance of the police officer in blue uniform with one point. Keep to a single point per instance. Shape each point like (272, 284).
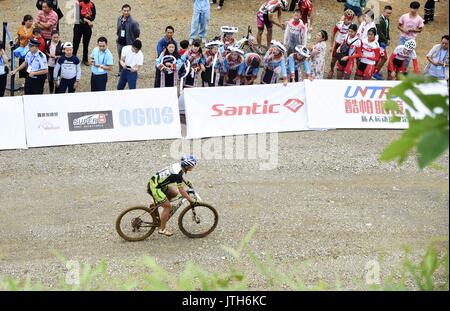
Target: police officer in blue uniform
(37, 69)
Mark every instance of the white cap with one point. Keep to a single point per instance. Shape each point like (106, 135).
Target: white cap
(214, 43)
(303, 51)
(278, 45)
(228, 29)
(236, 50)
(67, 45)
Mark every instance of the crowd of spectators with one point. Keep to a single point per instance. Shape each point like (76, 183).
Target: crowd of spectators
(358, 44)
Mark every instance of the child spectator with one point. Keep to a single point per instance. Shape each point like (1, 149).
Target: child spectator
(184, 44)
(67, 71)
(37, 35)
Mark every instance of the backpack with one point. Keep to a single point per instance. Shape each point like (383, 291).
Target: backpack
(345, 48)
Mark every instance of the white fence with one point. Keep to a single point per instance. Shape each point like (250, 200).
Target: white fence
(145, 114)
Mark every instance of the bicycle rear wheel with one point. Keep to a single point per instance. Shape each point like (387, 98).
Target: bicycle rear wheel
(198, 221)
(137, 223)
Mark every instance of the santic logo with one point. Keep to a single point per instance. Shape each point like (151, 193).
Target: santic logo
(220, 110)
(92, 120)
(294, 104)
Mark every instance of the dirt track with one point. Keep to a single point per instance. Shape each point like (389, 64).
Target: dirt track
(329, 202)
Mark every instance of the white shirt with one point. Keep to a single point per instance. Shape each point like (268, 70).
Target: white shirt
(342, 30)
(132, 59)
(364, 28)
(368, 51)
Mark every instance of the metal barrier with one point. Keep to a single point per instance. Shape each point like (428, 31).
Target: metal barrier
(11, 86)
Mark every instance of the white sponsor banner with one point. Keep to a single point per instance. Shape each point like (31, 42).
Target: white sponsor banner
(357, 104)
(64, 119)
(12, 126)
(237, 110)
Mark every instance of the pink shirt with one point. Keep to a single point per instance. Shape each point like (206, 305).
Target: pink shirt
(406, 21)
(52, 18)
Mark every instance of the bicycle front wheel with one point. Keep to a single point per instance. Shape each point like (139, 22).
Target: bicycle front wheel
(136, 223)
(198, 221)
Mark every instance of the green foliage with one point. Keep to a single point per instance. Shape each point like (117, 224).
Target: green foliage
(428, 135)
(426, 274)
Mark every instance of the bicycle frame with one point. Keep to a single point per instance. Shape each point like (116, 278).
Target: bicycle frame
(181, 200)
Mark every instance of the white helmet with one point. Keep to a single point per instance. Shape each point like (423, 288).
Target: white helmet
(303, 51)
(278, 45)
(410, 45)
(228, 29)
(214, 43)
(236, 50)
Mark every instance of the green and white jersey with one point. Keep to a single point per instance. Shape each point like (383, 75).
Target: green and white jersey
(172, 174)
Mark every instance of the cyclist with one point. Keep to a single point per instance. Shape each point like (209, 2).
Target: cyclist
(298, 62)
(250, 68)
(264, 17)
(162, 190)
(370, 55)
(227, 37)
(213, 60)
(231, 66)
(274, 64)
(340, 30)
(347, 52)
(398, 59)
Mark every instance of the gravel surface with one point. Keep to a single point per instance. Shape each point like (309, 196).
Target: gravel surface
(329, 202)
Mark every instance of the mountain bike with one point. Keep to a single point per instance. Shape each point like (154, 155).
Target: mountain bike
(195, 221)
(248, 44)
